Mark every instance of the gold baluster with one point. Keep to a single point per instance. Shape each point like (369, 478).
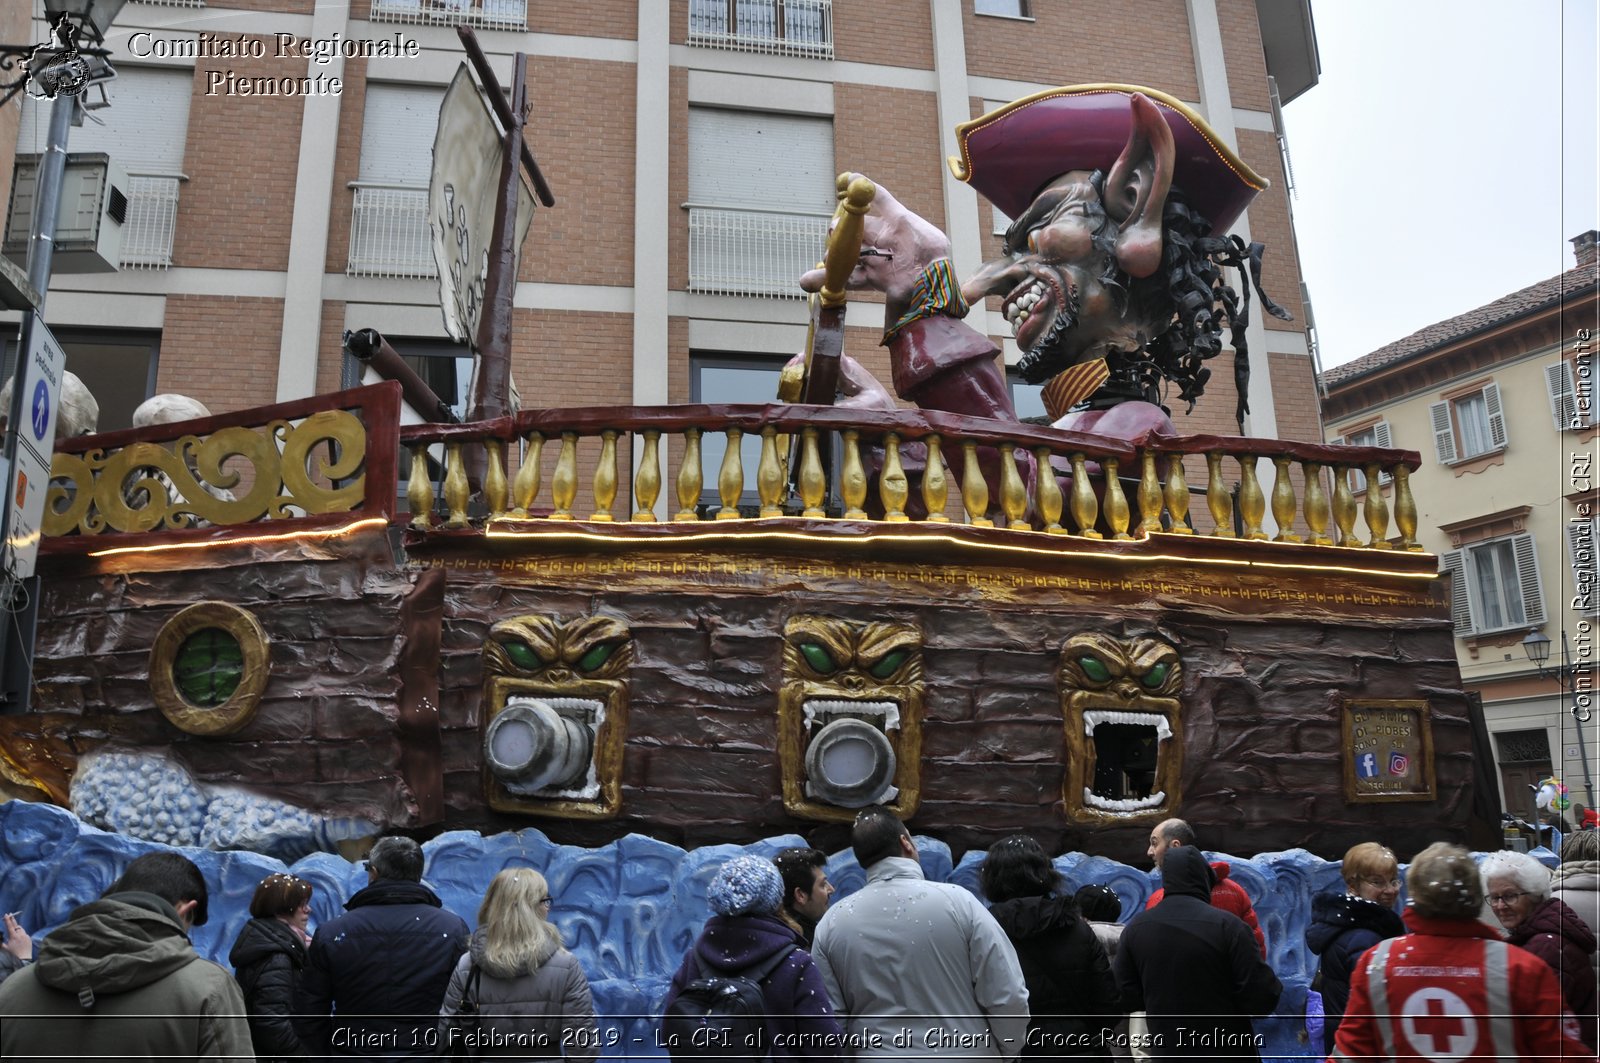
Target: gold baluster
(1013, 494)
(935, 488)
(1149, 494)
(1377, 512)
(1177, 493)
(813, 484)
(647, 481)
(456, 491)
(495, 491)
(1344, 507)
(1283, 502)
(605, 477)
(730, 478)
(1405, 509)
(769, 474)
(853, 479)
(1316, 504)
(1048, 490)
(1085, 509)
(1252, 503)
(526, 485)
(892, 487)
(1219, 500)
(1116, 501)
(564, 484)
(974, 488)
(419, 489)
(689, 477)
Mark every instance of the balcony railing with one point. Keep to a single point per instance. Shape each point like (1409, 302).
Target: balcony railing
(774, 27)
(734, 251)
(487, 14)
(389, 232)
(152, 218)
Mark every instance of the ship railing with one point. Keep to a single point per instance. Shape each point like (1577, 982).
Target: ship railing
(1102, 487)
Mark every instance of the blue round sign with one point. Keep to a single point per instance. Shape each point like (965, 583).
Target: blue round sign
(41, 411)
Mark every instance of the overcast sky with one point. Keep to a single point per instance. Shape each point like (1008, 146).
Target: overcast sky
(1444, 159)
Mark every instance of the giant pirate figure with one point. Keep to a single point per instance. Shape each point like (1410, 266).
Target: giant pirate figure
(1112, 273)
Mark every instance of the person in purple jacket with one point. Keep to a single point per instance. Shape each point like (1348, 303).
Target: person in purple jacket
(748, 929)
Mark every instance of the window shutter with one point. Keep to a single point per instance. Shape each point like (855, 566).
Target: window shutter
(1581, 536)
(1563, 404)
(397, 131)
(762, 161)
(1454, 563)
(1497, 420)
(1444, 436)
(145, 127)
(1528, 578)
(1381, 438)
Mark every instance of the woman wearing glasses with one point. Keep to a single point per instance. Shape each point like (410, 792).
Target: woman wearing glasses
(1343, 926)
(530, 996)
(267, 960)
(1518, 889)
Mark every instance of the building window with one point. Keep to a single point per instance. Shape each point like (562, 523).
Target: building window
(489, 14)
(118, 368)
(1002, 220)
(1003, 8)
(389, 234)
(761, 194)
(777, 27)
(1570, 386)
(1027, 398)
(144, 131)
(727, 379)
(1373, 435)
(1495, 586)
(1469, 425)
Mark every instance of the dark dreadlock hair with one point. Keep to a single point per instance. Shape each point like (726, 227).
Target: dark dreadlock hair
(1190, 293)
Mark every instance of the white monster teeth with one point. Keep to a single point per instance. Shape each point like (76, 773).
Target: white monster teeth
(583, 704)
(1095, 717)
(1128, 804)
(825, 707)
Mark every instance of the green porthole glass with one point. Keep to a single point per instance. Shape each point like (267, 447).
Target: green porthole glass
(208, 667)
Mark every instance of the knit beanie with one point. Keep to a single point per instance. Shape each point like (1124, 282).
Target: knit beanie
(746, 885)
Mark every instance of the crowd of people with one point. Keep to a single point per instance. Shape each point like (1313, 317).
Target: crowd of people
(1491, 961)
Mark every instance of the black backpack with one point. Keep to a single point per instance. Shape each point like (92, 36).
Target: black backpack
(719, 1016)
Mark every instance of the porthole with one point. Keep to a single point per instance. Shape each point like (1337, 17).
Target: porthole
(208, 668)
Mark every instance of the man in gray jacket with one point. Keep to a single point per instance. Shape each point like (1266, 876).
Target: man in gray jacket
(917, 968)
(119, 979)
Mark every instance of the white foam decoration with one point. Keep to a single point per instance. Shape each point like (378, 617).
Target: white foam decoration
(1095, 717)
(1127, 804)
(822, 708)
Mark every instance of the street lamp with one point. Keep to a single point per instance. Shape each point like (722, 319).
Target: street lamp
(1537, 647)
(78, 28)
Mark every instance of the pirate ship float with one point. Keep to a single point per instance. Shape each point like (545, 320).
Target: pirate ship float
(918, 613)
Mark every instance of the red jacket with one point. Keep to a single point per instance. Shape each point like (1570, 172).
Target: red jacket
(1230, 897)
(1452, 989)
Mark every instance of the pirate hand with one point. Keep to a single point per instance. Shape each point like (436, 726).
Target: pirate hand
(896, 246)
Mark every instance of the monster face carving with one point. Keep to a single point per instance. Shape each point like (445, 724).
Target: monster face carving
(850, 717)
(555, 714)
(1119, 702)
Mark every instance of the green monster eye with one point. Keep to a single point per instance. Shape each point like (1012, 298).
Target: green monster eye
(890, 664)
(1156, 676)
(1094, 669)
(597, 656)
(818, 658)
(522, 655)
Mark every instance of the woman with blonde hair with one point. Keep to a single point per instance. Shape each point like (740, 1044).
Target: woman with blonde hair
(529, 995)
(1344, 925)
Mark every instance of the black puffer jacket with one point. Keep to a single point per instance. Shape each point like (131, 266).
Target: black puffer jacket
(1342, 928)
(1071, 991)
(267, 960)
(382, 968)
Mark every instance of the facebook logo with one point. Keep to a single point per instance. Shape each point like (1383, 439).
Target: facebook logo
(1367, 765)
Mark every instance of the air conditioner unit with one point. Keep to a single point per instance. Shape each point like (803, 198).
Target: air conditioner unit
(89, 221)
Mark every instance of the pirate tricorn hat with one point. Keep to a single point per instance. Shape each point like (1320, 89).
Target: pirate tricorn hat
(1013, 151)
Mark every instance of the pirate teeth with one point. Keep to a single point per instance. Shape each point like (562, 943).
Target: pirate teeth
(1128, 804)
(1095, 717)
(581, 704)
(819, 710)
